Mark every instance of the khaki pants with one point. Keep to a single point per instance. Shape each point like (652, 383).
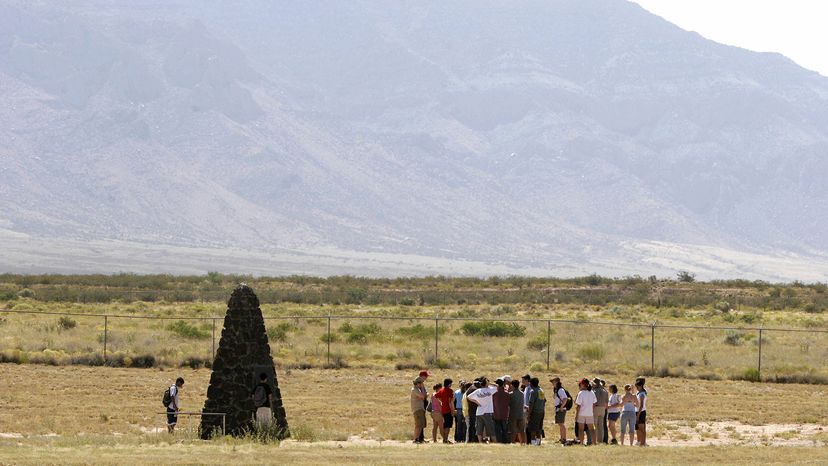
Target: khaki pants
(264, 416)
(599, 423)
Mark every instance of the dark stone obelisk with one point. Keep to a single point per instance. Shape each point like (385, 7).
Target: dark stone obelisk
(243, 354)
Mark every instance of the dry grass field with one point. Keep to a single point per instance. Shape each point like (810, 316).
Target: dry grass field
(108, 415)
(57, 409)
(386, 343)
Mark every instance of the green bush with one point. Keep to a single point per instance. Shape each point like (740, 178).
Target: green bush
(734, 338)
(419, 331)
(280, 331)
(185, 330)
(722, 306)
(493, 329)
(750, 375)
(537, 343)
(592, 352)
(66, 323)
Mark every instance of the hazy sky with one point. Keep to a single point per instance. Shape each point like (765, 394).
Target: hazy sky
(794, 28)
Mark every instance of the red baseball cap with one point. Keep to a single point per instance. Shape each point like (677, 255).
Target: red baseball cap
(424, 373)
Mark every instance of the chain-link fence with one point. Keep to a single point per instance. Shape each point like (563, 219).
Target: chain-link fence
(752, 353)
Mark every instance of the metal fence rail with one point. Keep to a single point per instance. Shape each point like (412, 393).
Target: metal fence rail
(437, 320)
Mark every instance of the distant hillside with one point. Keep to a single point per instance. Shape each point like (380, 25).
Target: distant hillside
(559, 137)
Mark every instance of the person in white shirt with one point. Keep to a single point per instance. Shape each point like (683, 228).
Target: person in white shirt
(482, 397)
(175, 404)
(561, 399)
(613, 411)
(584, 404)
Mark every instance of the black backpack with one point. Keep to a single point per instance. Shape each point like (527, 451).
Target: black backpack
(568, 404)
(167, 398)
(259, 396)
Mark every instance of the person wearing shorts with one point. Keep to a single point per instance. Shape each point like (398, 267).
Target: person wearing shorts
(613, 412)
(584, 411)
(446, 396)
(641, 419)
(485, 408)
(560, 407)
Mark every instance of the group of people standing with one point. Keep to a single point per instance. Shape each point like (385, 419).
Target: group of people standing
(513, 411)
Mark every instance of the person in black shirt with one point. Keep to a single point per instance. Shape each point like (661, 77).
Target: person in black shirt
(262, 399)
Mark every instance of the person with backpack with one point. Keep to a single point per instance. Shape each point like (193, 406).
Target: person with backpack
(172, 401)
(563, 403)
(262, 399)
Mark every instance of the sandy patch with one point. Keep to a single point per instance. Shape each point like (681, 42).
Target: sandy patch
(680, 433)
(668, 434)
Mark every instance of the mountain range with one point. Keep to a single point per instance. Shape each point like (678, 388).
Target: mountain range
(558, 137)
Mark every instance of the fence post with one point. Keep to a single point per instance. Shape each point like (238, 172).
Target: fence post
(760, 355)
(106, 330)
(652, 347)
(328, 339)
(214, 338)
(436, 338)
(548, 341)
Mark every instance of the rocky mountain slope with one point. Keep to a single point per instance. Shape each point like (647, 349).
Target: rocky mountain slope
(554, 136)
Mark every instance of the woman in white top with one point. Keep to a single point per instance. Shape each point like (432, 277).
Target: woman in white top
(613, 411)
(584, 404)
(628, 413)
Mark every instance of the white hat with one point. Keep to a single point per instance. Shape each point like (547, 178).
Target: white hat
(506, 378)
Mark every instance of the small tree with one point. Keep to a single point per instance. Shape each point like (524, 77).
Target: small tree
(686, 277)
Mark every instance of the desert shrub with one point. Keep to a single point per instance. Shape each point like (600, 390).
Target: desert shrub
(493, 329)
(537, 343)
(592, 352)
(186, 330)
(405, 366)
(92, 359)
(406, 301)
(685, 276)
(332, 338)
(337, 362)
(144, 360)
(812, 308)
(195, 362)
(751, 375)
(360, 333)
(537, 366)
(813, 379)
(25, 293)
(722, 306)
(280, 331)
(419, 331)
(734, 338)
(66, 323)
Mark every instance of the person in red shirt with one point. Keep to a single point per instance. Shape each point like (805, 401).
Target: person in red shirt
(446, 396)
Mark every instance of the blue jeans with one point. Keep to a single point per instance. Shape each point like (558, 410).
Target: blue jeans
(460, 427)
(628, 419)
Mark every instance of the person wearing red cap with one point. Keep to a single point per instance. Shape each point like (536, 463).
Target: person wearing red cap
(584, 405)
